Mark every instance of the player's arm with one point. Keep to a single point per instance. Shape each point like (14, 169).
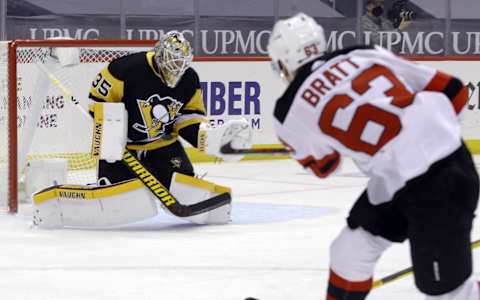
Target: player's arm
(110, 118)
(192, 126)
(452, 87)
(421, 77)
(193, 114)
(209, 139)
(106, 86)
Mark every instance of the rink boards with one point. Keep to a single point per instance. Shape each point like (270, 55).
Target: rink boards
(231, 89)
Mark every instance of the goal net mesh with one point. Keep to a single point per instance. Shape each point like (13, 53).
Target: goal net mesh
(49, 126)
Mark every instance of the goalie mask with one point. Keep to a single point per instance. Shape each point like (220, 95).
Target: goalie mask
(294, 42)
(173, 56)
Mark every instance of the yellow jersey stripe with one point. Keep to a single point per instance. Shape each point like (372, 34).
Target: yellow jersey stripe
(196, 103)
(150, 56)
(107, 87)
(187, 122)
(155, 144)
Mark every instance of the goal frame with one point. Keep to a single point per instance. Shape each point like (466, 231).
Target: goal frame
(12, 190)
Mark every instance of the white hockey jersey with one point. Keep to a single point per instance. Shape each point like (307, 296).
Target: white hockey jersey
(392, 116)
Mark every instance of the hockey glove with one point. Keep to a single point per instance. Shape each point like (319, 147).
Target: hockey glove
(236, 132)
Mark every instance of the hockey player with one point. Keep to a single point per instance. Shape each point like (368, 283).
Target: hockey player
(143, 102)
(399, 122)
(162, 96)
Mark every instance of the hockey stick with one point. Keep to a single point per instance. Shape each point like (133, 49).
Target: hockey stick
(167, 199)
(228, 149)
(406, 272)
(133, 164)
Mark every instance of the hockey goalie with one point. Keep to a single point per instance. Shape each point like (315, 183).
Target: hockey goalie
(142, 104)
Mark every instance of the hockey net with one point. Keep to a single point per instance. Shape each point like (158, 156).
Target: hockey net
(37, 122)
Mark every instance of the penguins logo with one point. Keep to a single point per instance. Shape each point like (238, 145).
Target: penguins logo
(157, 113)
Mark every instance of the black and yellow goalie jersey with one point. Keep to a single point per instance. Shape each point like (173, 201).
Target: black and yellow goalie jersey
(156, 113)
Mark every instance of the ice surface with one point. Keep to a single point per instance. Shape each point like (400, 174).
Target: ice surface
(276, 248)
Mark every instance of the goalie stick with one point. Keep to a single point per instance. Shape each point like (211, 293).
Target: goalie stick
(161, 192)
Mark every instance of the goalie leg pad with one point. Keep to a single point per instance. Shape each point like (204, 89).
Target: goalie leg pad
(41, 174)
(93, 206)
(190, 190)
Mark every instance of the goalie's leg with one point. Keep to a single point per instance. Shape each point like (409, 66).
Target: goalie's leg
(126, 202)
(165, 161)
(162, 163)
(93, 206)
(190, 190)
(111, 173)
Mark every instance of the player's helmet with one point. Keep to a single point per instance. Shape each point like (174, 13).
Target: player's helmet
(294, 42)
(173, 56)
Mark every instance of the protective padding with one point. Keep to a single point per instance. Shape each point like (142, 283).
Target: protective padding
(190, 190)
(354, 253)
(93, 206)
(236, 132)
(109, 131)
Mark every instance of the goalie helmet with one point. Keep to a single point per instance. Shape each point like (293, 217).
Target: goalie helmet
(173, 56)
(294, 42)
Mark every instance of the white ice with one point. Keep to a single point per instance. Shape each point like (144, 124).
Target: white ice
(276, 248)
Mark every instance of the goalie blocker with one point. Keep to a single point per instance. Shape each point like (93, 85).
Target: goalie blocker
(126, 202)
(109, 131)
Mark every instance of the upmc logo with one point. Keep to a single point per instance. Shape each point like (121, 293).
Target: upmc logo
(232, 99)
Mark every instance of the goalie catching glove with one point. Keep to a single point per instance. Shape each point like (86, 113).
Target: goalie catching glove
(235, 132)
